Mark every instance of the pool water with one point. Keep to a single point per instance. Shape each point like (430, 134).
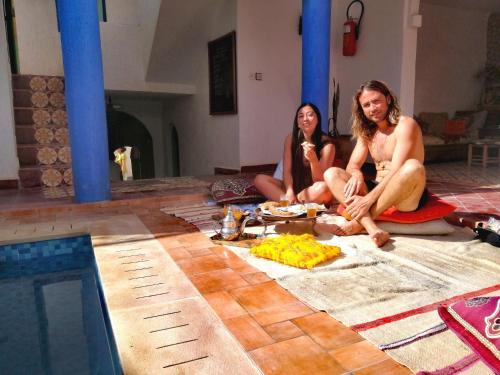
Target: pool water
(52, 316)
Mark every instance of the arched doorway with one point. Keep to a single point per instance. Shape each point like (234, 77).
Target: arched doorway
(126, 130)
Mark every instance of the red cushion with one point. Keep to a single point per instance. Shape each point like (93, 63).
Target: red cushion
(235, 190)
(477, 323)
(435, 208)
(454, 129)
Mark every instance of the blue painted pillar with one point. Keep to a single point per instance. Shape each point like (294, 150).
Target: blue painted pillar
(316, 16)
(85, 102)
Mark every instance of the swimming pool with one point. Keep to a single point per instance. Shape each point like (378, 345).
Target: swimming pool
(53, 318)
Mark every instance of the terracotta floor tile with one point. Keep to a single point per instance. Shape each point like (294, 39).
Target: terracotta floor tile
(224, 305)
(358, 355)
(256, 278)
(326, 331)
(262, 296)
(179, 253)
(281, 313)
(283, 331)
(248, 332)
(246, 269)
(198, 252)
(232, 260)
(225, 279)
(192, 266)
(389, 367)
(298, 356)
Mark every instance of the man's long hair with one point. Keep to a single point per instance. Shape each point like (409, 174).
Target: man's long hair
(361, 126)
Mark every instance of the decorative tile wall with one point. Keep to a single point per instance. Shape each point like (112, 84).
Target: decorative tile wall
(41, 130)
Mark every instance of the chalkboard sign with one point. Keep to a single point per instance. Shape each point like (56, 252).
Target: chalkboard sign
(222, 75)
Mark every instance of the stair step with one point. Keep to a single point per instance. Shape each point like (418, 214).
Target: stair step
(25, 134)
(30, 177)
(23, 116)
(27, 155)
(37, 82)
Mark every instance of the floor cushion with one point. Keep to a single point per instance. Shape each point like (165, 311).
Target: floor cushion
(301, 251)
(428, 228)
(235, 190)
(477, 323)
(435, 208)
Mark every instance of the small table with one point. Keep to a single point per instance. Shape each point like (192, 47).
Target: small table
(484, 157)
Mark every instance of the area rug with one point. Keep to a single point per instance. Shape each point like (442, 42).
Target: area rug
(390, 295)
(136, 186)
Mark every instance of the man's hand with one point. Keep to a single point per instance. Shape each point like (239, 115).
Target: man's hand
(358, 206)
(353, 185)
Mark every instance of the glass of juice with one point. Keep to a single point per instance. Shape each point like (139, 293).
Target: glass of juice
(311, 209)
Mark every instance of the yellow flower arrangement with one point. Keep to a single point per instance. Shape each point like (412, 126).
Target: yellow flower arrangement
(302, 251)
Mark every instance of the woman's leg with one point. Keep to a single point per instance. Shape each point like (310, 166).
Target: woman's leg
(317, 193)
(270, 187)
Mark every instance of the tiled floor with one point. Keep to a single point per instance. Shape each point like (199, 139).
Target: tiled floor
(279, 333)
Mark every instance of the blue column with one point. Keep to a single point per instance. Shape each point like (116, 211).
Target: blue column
(316, 16)
(85, 102)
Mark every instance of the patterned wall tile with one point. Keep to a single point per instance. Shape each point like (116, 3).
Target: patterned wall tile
(64, 154)
(51, 177)
(60, 117)
(40, 99)
(44, 136)
(38, 83)
(57, 100)
(68, 176)
(62, 136)
(41, 117)
(47, 155)
(55, 84)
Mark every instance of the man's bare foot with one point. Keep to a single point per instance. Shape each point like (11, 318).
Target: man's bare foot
(345, 229)
(380, 237)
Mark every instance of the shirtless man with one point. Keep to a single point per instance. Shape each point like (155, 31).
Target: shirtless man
(395, 145)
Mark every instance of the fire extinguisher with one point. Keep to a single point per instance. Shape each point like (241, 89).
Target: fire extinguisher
(351, 31)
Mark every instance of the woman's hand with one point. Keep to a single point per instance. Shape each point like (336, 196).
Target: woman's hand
(309, 151)
(291, 197)
(353, 185)
(358, 206)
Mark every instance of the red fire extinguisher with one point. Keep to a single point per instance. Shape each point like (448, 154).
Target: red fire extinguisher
(351, 31)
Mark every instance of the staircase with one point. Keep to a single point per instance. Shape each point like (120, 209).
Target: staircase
(41, 131)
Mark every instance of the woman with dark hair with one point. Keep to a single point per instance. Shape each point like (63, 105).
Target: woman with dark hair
(308, 152)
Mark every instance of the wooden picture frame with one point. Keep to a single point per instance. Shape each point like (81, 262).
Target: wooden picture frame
(222, 75)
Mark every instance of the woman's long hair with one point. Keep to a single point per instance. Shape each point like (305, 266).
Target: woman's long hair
(361, 126)
(298, 172)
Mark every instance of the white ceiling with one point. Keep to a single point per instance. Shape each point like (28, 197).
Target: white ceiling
(482, 5)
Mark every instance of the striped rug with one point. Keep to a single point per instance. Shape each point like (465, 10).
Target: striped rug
(390, 295)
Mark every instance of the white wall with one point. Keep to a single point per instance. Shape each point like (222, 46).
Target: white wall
(379, 55)
(150, 113)
(126, 41)
(205, 141)
(39, 43)
(451, 51)
(9, 163)
(267, 42)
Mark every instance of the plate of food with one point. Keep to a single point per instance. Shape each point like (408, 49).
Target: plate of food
(275, 210)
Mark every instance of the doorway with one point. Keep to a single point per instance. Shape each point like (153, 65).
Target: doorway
(126, 130)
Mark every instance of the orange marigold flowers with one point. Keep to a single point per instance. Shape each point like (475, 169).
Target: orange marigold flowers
(302, 251)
